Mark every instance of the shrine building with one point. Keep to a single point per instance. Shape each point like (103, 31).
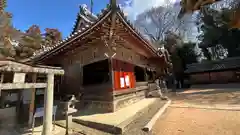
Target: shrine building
(105, 59)
(224, 71)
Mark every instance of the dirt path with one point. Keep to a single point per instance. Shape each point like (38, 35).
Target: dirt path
(196, 121)
(192, 121)
(208, 96)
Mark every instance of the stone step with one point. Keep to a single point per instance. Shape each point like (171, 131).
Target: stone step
(117, 121)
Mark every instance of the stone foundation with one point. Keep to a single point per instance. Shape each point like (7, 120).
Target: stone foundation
(98, 106)
(120, 100)
(125, 99)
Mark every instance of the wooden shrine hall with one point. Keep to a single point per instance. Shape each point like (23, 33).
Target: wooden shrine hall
(105, 59)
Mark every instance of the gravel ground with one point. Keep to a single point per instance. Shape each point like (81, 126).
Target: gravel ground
(208, 96)
(192, 121)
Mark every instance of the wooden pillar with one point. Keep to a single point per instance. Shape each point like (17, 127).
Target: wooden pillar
(48, 106)
(145, 74)
(111, 73)
(32, 103)
(1, 81)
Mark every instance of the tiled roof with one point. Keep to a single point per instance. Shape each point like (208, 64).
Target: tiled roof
(84, 16)
(103, 14)
(44, 51)
(228, 63)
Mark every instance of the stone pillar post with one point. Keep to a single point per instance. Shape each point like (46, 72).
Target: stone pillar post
(48, 106)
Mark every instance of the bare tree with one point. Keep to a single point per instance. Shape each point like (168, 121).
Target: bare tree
(158, 21)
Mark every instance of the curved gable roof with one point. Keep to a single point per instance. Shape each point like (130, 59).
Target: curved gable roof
(88, 27)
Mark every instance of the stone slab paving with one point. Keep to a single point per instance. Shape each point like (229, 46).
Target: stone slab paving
(118, 117)
(133, 128)
(26, 131)
(38, 131)
(193, 121)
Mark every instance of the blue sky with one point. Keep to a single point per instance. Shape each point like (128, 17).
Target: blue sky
(61, 14)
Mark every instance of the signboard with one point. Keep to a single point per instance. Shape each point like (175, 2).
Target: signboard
(122, 82)
(19, 77)
(40, 91)
(40, 112)
(127, 80)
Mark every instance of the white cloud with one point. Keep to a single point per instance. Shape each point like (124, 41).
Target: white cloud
(135, 7)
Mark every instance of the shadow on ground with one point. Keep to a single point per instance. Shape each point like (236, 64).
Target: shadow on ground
(208, 96)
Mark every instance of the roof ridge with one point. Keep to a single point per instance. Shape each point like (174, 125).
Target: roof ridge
(43, 51)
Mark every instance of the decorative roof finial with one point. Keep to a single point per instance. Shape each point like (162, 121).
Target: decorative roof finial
(83, 8)
(113, 4)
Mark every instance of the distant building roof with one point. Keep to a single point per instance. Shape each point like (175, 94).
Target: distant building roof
(228, 63)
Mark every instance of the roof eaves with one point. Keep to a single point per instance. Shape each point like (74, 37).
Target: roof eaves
(79, 17)
(73, 36)
(136, 32)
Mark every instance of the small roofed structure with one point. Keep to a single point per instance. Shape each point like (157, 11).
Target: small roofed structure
(14, 76)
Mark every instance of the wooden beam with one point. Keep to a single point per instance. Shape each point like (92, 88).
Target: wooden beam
(10, 86)
(1, 81)
(31, 108)
(26, 69)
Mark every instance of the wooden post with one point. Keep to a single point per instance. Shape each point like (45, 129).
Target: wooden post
(111, 73)
(2, 77)
(48, 106)
(145, 74)
(32, 104)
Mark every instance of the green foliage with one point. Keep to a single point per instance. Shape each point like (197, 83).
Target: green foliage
(213, 24)
(34, 40)
(6, 35)
(52, 36)
(3, 4)
(30, 42)
(183, 55)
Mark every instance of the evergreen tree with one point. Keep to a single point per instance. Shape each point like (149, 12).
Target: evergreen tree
(7, 32)
(30, 42)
